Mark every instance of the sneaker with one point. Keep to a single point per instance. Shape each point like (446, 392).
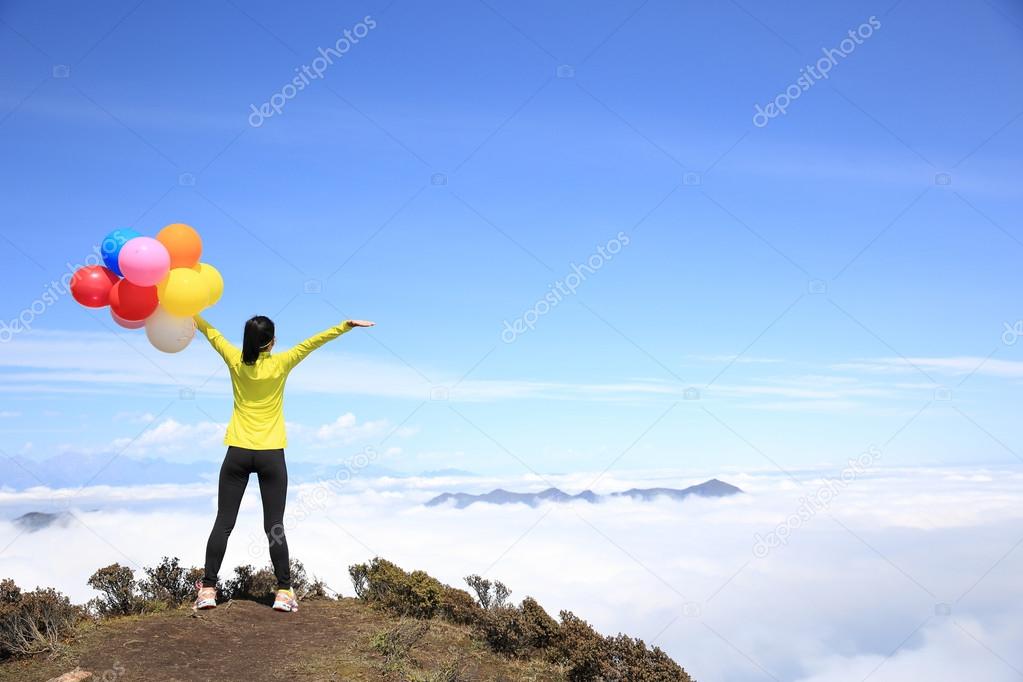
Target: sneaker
(206, 597)
(285, 601)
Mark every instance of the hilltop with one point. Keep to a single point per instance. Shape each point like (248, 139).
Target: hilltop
(401, 627)
(245, 640)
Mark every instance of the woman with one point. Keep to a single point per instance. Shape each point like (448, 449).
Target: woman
(255, 438)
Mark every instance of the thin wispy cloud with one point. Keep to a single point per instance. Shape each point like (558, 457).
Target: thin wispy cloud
(949, 366)
(49, 365)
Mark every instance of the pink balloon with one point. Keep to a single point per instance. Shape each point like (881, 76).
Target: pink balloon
(144, 261)
(127, 324)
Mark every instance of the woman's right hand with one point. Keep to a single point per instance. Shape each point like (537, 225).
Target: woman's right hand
(360, 323)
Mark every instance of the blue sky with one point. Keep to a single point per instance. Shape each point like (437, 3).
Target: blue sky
(839, 278)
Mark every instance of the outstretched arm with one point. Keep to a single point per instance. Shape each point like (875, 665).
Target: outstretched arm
(227, 350)
(297, 354)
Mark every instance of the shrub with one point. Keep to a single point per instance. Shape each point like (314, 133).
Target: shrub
(194, 575)
(117, 586)
(396, 644)
(450, 671)
(541, 630)
(250, 584)
(9, 592)
(34, 622)
(260, 585)
(626, 659)
(166, 585)
(458, 606)
(360, 579)
(305, 587)
(414, 594)
(518, 631)
(588, 656)
(491, 595)
(168, 582)
(578, 647)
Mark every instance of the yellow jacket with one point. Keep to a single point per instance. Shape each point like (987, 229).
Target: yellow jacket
(257, 422)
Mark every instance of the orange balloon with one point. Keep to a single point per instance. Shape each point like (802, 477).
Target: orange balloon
(183, 243)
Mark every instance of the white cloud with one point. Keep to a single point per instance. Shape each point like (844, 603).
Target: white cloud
(944, 648)
(344, 430)
(829, 605)
(171, 435)
(347, 429)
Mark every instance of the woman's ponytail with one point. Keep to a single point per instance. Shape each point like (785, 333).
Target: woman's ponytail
(259, 333)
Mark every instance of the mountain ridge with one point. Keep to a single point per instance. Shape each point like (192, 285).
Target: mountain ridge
(710, 488)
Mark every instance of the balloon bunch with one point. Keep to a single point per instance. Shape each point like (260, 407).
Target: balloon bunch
(156, 283)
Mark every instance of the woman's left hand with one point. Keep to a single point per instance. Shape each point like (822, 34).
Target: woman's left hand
(360, 323)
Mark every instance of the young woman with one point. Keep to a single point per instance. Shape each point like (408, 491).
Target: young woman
(255, 438)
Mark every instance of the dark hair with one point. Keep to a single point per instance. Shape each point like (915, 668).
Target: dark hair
(259, 332)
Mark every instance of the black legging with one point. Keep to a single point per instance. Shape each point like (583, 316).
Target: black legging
(273, 488)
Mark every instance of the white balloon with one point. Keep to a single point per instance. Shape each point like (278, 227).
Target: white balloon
(169, 333)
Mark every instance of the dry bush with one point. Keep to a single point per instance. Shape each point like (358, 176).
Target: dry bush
(519, 631)
(540, 629)
(414, 594)
(169, 582)
(578, 646)
(166, 585)
(250, 584)
(307, 588)
(34, 622)
(396, 643)
(491, 595)
(260, 585)
(629, 660)
(524, 631)
(588, 656)
(458, 606)
(118, 591)
(449, 672)
(193, 576)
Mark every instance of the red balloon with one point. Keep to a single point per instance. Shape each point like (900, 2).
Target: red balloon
(132, 302)
(91, 285)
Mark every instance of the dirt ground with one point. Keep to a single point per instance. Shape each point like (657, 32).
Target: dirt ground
(325, 640)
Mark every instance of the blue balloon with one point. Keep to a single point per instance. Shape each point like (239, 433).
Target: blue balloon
(111, 247)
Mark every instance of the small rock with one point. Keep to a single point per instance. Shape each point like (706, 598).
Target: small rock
(73, 676)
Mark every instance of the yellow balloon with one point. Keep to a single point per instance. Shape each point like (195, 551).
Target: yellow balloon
(183, 292)
(212, 279)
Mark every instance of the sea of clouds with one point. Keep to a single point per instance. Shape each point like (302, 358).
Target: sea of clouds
(899, 575)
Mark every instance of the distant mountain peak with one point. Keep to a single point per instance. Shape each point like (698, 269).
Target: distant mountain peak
(711, 488)
(33, 521)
